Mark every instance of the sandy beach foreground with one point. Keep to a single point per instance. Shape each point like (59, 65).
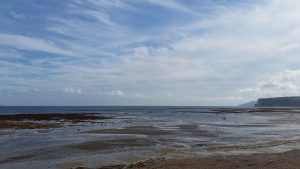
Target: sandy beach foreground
(288, 160)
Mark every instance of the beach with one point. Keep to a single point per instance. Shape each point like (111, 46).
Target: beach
(151, 137)
(289, 160)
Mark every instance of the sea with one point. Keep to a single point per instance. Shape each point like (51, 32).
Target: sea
(95, 109)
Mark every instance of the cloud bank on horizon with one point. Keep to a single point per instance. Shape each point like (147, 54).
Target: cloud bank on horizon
(150, 52)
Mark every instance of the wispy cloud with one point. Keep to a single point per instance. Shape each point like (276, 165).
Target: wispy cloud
(172, 4)
(16, 15)
(110, 3)
(29, 43)
(100, 17)
(10, 53)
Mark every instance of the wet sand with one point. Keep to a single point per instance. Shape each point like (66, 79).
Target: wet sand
(286, 160)
(108, 144)
(143, 130)
(43, 121)
(255, 147)
(5, 133)
(27, 125)
(53, 116)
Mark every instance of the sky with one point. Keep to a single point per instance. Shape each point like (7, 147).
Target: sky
(148, 52)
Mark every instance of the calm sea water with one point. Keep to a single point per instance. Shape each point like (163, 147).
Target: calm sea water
(99, 109)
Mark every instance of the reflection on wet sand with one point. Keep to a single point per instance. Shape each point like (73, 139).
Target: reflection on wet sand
(109, 144)
(43, 121)
(142, 130)
(27, 125)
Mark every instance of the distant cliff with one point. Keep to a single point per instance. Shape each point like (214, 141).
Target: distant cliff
(248, 104)
(278, 102)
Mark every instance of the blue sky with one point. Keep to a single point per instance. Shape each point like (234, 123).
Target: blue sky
(148, 52)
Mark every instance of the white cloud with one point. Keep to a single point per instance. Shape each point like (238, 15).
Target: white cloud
(116, 93)
(72, 90)
(29, 43)
(286, 83)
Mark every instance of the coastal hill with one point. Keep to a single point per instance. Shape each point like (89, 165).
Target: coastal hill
(279, 102)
